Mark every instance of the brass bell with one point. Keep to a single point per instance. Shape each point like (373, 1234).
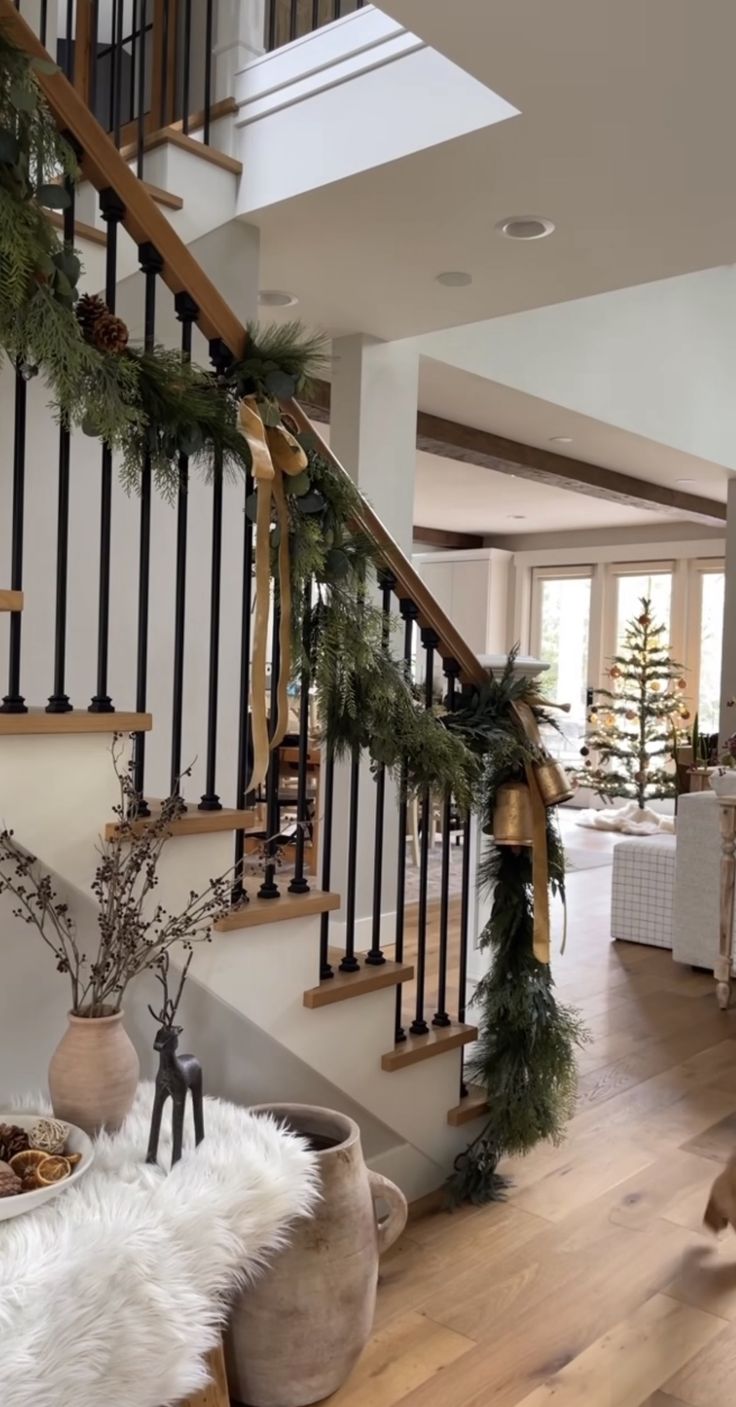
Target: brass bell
(512, 815)
(553, 782)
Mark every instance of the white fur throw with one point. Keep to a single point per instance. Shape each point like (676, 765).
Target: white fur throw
(114, 1292)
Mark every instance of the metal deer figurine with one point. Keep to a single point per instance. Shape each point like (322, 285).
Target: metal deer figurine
(176, 1073)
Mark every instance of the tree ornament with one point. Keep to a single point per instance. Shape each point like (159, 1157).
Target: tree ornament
(609, 719)
(593, 718)
(614, 672)
(630, 714)
(655, 686)
(584, 751)
(684, 714)
(681, 683)
(644, 620)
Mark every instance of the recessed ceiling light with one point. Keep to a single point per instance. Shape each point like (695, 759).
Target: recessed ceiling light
(518, 516)
(686, 483)
(454, 278)
(525, 227)
(275, 298)
(560, 439)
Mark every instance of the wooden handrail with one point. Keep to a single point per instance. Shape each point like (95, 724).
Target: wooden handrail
(103, 165)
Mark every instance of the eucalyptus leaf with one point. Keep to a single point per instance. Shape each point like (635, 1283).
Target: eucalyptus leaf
(251, 506)
(280, 384)
(298, 484)
(53, 197)
(9, 147)
(68, 263)
(312, 503)
(337, 563)
(23, 97)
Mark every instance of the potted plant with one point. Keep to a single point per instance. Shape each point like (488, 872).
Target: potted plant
(94, 1069)
(698, 768)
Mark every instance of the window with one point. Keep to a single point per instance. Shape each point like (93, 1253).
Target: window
(711, 628)
(561, 616)
(631, 587)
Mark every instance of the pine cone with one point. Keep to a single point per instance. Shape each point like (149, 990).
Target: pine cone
(10, 1185)
(12, 1140)
(109, 333)
(89, 310)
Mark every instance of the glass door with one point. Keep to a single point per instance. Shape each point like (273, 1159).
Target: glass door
(559, 636)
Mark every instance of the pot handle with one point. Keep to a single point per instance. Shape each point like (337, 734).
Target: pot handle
(389, 1227)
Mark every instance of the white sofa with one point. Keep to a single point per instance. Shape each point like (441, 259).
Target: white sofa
(697, 880)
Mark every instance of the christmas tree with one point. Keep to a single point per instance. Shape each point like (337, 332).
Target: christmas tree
(630, 751)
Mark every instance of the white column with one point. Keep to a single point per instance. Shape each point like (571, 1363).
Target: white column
(374, 425)
(373, 433)
(728, 654)
(239, 38)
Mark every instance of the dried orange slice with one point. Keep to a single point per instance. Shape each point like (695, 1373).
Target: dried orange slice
(25, 1164)
(52, 1170)
(73, 1159)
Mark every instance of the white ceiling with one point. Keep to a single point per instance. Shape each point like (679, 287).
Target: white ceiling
(467, 498)
(624, 139)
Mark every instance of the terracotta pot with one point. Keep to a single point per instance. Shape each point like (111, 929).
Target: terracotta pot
(93, 1073)
(295, 1336)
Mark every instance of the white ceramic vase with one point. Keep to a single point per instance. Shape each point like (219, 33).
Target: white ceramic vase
(93, 1073)
(723, 781)
(295, 1336)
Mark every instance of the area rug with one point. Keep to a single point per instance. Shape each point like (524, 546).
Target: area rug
(115, 1292)
(629, 820)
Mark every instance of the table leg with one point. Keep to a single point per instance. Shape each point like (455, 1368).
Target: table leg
(722, 968)
(216, 1393)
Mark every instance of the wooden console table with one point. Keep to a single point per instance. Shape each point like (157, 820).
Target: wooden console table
(724, 961)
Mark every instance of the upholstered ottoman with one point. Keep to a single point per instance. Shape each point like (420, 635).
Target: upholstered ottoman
(642, 890)
(698, 883)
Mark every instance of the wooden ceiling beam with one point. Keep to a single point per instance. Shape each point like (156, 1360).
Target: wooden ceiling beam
(469, 445)
(444, 537)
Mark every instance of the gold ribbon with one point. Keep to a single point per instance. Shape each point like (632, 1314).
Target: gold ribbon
(274, 452)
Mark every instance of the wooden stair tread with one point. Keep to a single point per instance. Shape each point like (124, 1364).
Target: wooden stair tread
(162, 197)
(287, 906)
(172, 137)
(81, 230)
(474, 1106)
(11, 600)
(344, 985)
(438, 1041)
(192, 822)
(37, 720)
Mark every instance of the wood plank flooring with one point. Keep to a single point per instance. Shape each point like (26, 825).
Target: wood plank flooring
(596, 1284)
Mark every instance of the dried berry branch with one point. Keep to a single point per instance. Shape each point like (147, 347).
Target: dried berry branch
(134, 933)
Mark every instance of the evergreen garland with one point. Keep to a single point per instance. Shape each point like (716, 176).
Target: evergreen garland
(525, 1053)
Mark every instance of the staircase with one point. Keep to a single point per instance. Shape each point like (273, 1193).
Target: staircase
(137, 611)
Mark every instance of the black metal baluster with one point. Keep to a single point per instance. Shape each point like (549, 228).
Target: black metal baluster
(207, 74)
(186, 312)
(118, 86)
(409, 614)
(269, 888)
(464, 925)
(239, 895)
(374, 957)
(112, 211)
(271, 27)
(141, 140)
(299, 883)
(349, 962)
(151, 264)
(328, 793)
(293, 25)
(69, 39)
(419, 1026)
(13, 702)
(210, 801)
(59, 699)
(133, 62)
(315, 14)
(441, 1018)
(44, 21)
(187, 66)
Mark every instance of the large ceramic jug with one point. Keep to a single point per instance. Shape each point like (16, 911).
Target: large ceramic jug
(296, 1334)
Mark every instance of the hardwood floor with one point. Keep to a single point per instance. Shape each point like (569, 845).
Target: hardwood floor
(596, 1284)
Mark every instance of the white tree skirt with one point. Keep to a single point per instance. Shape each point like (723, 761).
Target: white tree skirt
(115, 1292)
(628, 819)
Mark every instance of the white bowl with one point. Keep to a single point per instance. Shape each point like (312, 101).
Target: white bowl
(77, 1142)
(723, 783)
